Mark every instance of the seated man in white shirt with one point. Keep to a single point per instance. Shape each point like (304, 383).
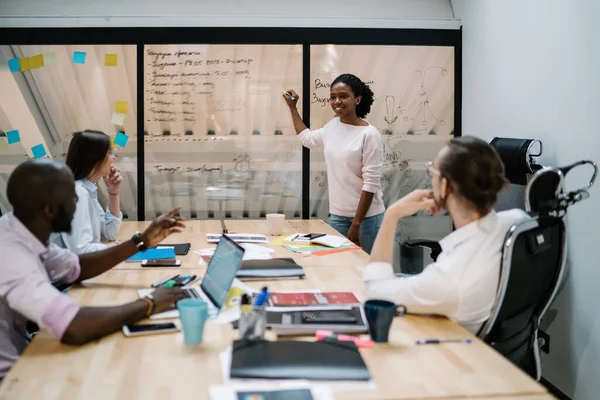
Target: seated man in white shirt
(42, 193)
(466, 175)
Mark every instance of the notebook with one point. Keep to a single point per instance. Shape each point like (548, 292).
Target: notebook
(152, 254)
(326, 240)
(312, 300)
(308, 322)
(288, 359)
(276, 268)
(181, 249)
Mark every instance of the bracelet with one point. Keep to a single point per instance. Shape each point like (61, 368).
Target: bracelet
(113, 194)
(150, 305)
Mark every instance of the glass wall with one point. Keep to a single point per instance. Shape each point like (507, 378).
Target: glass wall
(413, 110)
(49, 92)
(217, 131)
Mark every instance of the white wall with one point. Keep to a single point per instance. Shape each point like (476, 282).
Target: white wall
(265, 13)
(532, 69)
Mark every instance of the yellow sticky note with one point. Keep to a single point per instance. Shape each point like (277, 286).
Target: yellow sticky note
(37, 61)
(25, 64)
(110, 60)
(121, 107)
(112, 142)
(3, 145)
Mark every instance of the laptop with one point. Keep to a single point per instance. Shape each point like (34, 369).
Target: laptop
(217, 280)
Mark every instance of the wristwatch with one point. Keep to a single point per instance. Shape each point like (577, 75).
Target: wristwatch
(151, 303)
(139, 243)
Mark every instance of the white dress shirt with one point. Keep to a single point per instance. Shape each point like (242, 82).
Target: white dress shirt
(354, 158)
(91, 224)
(462, 283)
(26, 291)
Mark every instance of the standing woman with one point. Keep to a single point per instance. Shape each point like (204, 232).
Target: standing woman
(353, 156)
(91, 158)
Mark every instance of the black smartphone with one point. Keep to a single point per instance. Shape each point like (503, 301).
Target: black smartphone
(328, 317)
(311, 236)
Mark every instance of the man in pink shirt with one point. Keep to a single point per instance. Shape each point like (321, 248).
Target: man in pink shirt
(42, 193)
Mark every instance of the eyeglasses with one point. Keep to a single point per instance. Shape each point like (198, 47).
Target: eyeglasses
(432, 171)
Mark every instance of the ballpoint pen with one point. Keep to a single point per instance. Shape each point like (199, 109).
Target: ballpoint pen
(165, 280)
(438, 341)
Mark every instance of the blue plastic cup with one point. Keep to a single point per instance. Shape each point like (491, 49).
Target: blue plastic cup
(193, 314)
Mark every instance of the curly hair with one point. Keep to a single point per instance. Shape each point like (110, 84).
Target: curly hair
(360, 89)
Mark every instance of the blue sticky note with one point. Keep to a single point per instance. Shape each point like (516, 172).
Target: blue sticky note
(14, 65)
(121, 139)
(152, 254)
(38, 151)
(79, 57)
(13, 136)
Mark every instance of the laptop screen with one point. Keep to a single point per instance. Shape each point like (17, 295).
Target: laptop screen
(221, 270)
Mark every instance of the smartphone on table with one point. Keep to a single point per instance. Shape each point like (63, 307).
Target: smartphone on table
(162, 262)
(150, 329)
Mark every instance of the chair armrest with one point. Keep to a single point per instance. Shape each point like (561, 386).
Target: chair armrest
(435, 247)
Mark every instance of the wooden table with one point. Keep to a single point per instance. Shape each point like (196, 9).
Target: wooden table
(195, 233)
(162, 367)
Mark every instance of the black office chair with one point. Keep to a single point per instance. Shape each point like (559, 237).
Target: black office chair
(532, 268)
(518, 157)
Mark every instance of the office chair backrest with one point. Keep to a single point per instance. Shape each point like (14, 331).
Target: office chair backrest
(533, 265)
(518, 157)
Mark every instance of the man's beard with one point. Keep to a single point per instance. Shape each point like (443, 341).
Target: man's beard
(62, 222)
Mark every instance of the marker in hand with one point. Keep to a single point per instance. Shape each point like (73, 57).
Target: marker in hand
(288, 94)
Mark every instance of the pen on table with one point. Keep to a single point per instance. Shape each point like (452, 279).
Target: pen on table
(295, 237)
(262, 297)
(165, 280)
(181, 280)
(193, 280)
(187, 280)
(438, 341)
(169, 284)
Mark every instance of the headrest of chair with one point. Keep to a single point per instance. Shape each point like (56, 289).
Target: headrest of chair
(517, 155)
(544, 191)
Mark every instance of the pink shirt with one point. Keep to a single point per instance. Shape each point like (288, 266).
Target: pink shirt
(27, 269)
(354, 158)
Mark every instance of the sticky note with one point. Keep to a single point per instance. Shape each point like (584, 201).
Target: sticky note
(121, 107)
(38, 151)
(110, 60)
(79, 57)
(25, 63)
(112, 142)
(121, 139)
(118, 118)
(13, 65)
(3, 145)
(37, 61)
(13, 137)
(49, 58)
